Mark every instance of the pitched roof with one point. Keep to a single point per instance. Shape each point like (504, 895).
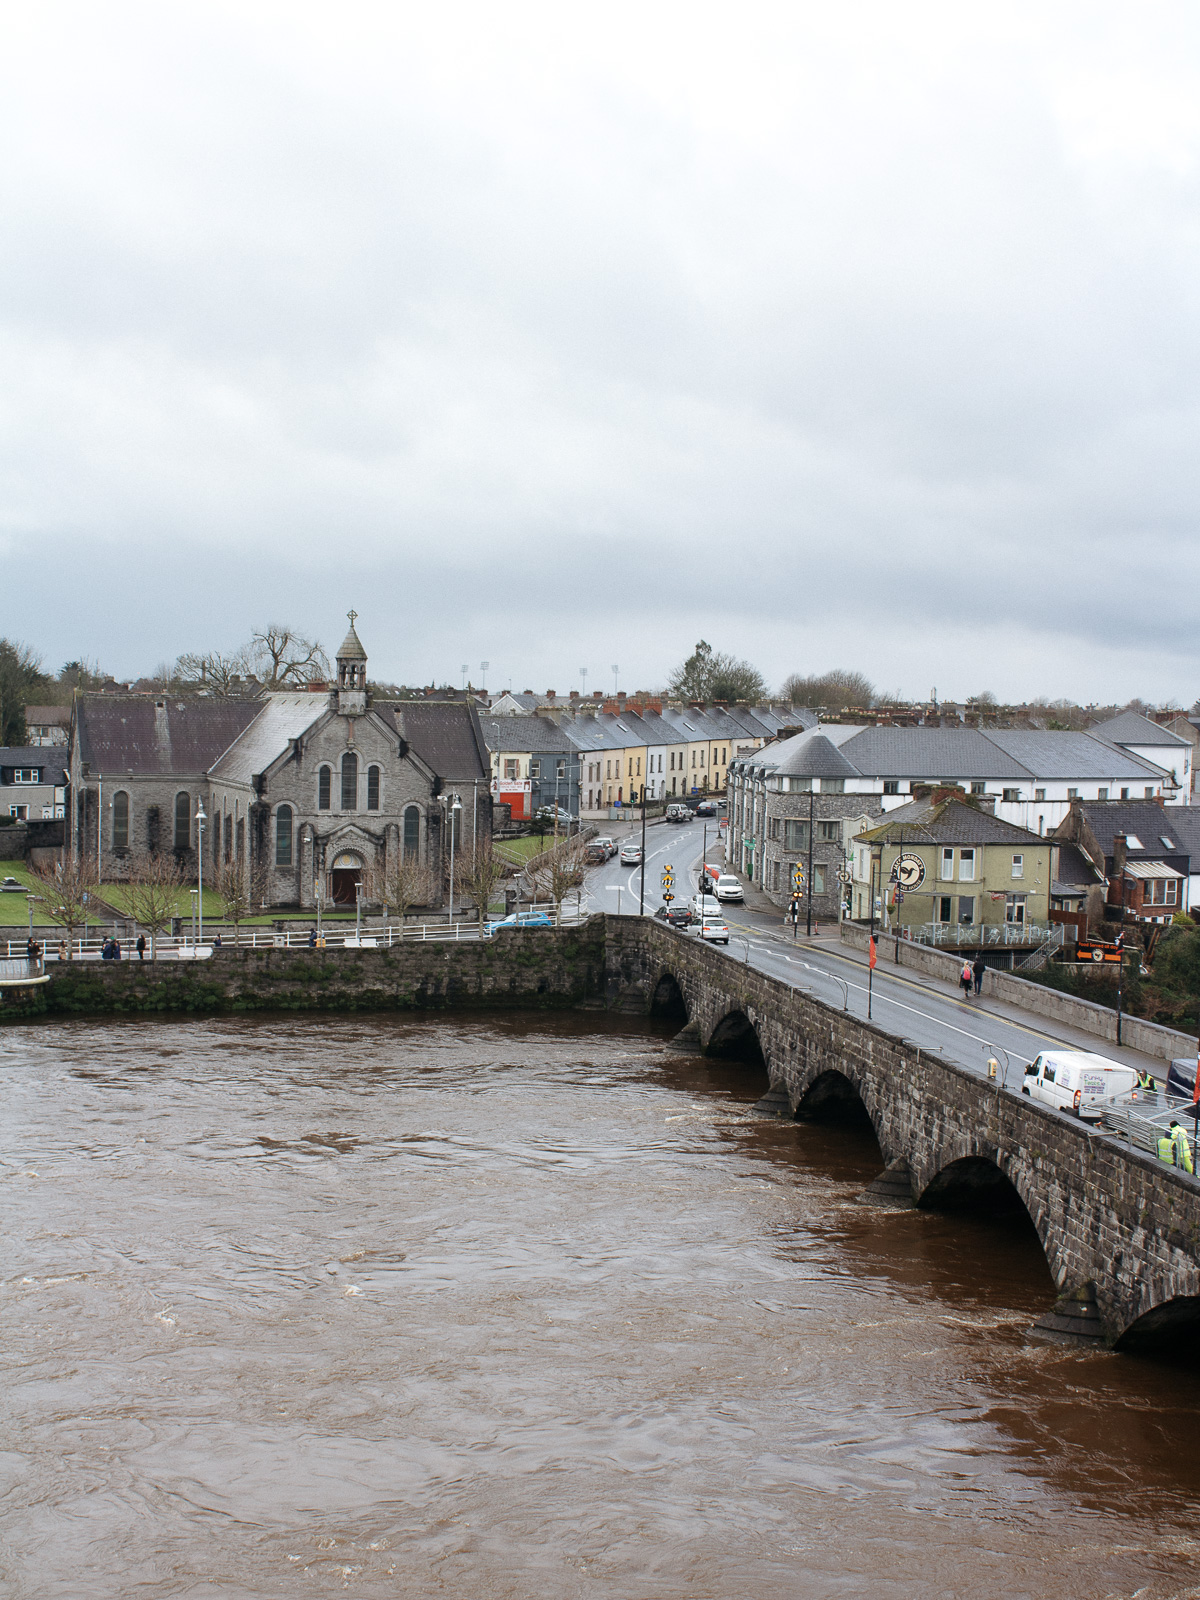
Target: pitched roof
(1154, 827)
(59, 716)
(1074, 868)
(283, 717)
(516, 732)
(146, 737)
(351, 648)
(445, 734)
(34, 755)
(948, 822)
(1130, 727)
(817, 757)
(1062, 753)
(930, 753)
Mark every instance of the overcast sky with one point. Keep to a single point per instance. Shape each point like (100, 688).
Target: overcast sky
(557, 337)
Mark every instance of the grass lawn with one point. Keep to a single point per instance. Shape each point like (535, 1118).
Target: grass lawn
(14, 908)
(117, 895)
(521, 851)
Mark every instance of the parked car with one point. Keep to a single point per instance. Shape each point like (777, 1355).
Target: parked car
(595, 854)
(704, 905)
(11, 886)
(678, 813)
(609, 846)
(727, 887)
(552, 814)
(674, 916)
(631, 854)
(706, 808)
(714, 930)
(1076, 1080)
(518, 919)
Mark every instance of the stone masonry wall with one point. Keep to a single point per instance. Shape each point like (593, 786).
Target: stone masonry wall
(1107, 1216)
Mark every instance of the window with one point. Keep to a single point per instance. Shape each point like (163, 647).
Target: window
(818, 879)
(693, 758)
(608, 769)
(775, 875)
(1160, 892)
(535, 771)
(412, 831)
(228, 839)
(120, 821)
(1014, 908)
(349, 781)
(942, 905)
(1124, 794)
(323, 789)
(372, 788)
(1018, 866)
(966, 908)
(947, 868)
(966, 865)
(512, 770)
(979, 788)
(183, 820)
(1149, 791)
(795, 834)
(832, 785)
(27, 775)
(1101, 794)
(1039, 794)
(891, 786)
(723, 759)
(773, 828)
(1134, 843)
(829, 832)
(1072, 794)
(283, 836)
(639, 770)
(1010, 797)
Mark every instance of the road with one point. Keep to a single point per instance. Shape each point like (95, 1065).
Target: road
(922, 1010)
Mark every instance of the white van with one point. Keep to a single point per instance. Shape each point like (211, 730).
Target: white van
(1076, 1080)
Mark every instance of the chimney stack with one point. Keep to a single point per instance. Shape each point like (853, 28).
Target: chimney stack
(1120, 854)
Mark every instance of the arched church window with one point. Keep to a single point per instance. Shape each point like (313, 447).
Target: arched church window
(283, 836)
(120, 821)
(412, 831)
(183, 820)
(323, 781)
(349, 781)
(372, 788)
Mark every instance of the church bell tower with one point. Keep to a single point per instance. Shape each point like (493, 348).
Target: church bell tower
(352, 674)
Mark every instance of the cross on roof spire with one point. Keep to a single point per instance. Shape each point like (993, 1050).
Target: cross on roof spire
(352, 615)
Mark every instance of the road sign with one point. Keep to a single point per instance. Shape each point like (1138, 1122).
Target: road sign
(797, 876)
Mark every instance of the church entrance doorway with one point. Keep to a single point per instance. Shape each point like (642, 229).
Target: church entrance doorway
(345, 875)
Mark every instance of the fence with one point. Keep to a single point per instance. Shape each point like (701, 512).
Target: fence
(985, 933)
(368, 938)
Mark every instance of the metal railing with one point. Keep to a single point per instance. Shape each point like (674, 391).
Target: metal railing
(170, 947)
(1002, 934)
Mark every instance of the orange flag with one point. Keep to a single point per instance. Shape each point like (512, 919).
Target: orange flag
(871, 963)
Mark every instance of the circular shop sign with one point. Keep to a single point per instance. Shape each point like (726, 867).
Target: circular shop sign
(909, 872)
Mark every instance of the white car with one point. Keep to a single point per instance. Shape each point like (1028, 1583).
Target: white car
(704, 905)
(727, 887)
(631, 854)
(714, 929)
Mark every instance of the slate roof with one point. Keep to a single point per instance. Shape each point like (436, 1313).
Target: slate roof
(1146, 820)
(949, 822)
(1074, 869)
(817, 757)
(931, 753)
(523, 733)
(58, 716)
(445, 734)
(49, 756)
(282, 718)
(1130, 727)
(351, 648)
(147, 737)
(1051, 753)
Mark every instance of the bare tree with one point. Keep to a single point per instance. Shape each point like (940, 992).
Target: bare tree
(283, 657)
(66, 888)
(241, 890)
(557, 872)
(224, 676)
(833, 691)
(479, 871)
(154, 884)
(403, 881)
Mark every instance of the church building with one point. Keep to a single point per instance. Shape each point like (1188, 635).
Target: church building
(307, 790)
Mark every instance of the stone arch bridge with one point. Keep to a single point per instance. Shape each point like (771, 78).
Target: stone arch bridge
(1120, 1231)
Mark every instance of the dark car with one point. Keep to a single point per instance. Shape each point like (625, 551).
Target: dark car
(706, 808)
(674, 916)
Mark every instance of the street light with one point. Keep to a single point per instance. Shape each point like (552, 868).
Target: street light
(201, 819)
(483, 667)
(453, 811)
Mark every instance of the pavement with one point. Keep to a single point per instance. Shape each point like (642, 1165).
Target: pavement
(926, 1011)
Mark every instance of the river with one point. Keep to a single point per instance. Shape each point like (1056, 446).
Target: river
(528, 1306)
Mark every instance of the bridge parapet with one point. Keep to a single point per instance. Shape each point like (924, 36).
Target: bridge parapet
(1121, 1232)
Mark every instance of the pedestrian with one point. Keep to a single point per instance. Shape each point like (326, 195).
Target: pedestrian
(141, 946)
(31, 949)
(312, 938)
(217, 942)
(1183, 1154)
(979, 967)
(116, 950)
(62, 951)
(966, 977)
(1147, 1080)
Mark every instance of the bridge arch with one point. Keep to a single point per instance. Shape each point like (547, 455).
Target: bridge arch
(668, 1001)
(1170, 1328)
(735, 1038)
(833, 1096)
(976, 1183)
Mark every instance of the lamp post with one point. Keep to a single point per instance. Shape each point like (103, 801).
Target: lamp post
(201, 819)
(812, 801)
(453, 812)
(99, 828)
(358, 912)
(31, 898)
(642, 881)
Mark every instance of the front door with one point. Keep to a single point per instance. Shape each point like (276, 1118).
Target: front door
(345, 885)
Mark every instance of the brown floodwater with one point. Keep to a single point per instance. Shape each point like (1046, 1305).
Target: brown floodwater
(526, 1306)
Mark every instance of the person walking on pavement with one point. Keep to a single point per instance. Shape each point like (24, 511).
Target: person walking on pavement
(979, 967)
(141, 946)
(966, 977)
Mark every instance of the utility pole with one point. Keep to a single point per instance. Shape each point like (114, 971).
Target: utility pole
(899, 891)
(871, 946)
(812, 800)
(642, 880)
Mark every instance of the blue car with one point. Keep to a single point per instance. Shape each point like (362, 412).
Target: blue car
(522, 919)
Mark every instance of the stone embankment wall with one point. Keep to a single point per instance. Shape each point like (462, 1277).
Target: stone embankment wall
(1118, 1228)
(1149, 1037)
(520, 967)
